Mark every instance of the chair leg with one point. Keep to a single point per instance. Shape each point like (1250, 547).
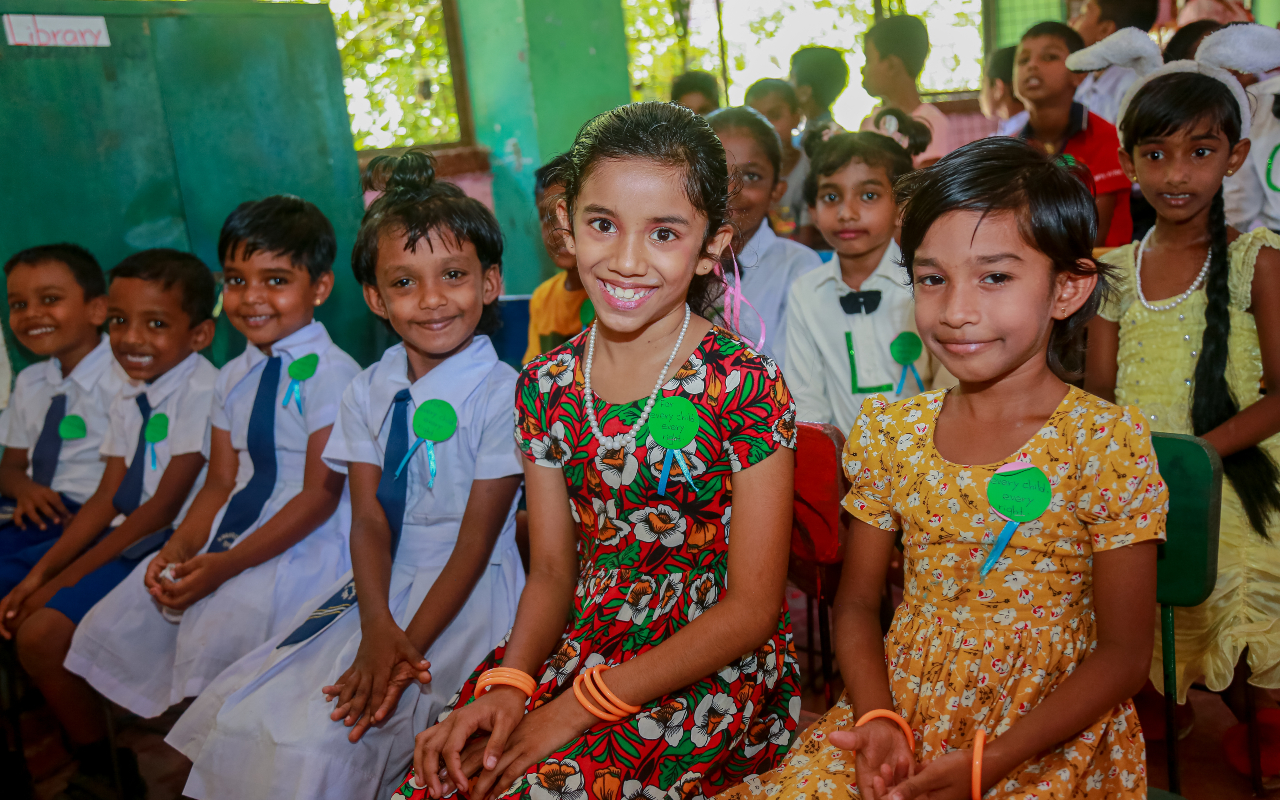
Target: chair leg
(13, 769)
(824, 635)
(1255, 741)
(1168, 656)
(111, 744)
(811, 622)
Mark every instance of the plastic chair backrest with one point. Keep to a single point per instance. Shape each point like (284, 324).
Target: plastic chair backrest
(1187, 566)
(820, 485)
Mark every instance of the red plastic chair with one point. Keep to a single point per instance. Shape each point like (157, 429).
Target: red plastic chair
(817, 547)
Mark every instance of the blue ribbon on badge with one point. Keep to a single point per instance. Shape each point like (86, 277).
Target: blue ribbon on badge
(902, 382)
(673, 455)
(431, 460)
(1002, 541)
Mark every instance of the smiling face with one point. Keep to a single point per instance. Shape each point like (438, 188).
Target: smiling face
(150, 333)
(855, 211)
(1180, 173)
(755, 185)
(1040, 74)
(986, 301)
(639, 241)
(47, 310)
(433, 295)
(267, 298)
(781, 116)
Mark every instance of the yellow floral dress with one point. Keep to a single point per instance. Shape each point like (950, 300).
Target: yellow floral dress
(1157, 362)
(962, 654)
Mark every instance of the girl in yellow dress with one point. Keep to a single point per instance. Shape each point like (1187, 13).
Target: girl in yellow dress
(1035, 642)
(1193, 337)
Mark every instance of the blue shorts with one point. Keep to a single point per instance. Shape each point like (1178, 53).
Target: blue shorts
(14, 539)
(75, 601)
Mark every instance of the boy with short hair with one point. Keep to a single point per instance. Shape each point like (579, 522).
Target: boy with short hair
(697, 91)
(819, 75)
(1101, 91)
(896, 49)
(556, 307)
(160, 314)
(996, 99)
(262, 534)
(57, 415)
(1058, 124)
(777, 100)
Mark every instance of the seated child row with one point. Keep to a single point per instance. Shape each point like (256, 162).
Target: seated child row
(625, 666)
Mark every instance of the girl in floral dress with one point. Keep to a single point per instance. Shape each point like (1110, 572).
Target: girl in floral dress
(1036, 643)
(630, 506)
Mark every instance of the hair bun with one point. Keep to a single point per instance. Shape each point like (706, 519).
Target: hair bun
(407, 176)
(906, 130)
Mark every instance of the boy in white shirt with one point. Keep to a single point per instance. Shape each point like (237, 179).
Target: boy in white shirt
(57, 416)
(262, 535)
(1101, 91)
(851, 323)
(160, 313)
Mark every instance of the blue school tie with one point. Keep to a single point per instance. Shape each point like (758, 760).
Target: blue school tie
(246, 505)
(393, 495)
(129, 496)
(44, 456)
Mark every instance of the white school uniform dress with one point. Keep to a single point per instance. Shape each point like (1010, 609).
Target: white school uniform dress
(90, 389)
(184, 394)
(769, 264)
(262, 729)
(820, 366)
(140, 660)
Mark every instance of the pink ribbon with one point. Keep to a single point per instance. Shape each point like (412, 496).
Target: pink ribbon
(734, 317)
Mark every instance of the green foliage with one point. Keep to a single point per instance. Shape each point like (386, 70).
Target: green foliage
(658, 53)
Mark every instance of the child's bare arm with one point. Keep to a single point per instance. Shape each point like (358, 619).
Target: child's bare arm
(35, 503)
(219, 482)
(1106, 204)
(883, 753)
(321, 492)
(1100, 359)
(1262, 419)
(1124, 600)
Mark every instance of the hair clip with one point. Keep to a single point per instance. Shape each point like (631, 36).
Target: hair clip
(888, 124)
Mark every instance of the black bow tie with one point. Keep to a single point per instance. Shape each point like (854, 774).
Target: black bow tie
(860, 302)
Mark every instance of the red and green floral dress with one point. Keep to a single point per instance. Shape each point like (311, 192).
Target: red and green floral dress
(650, 564)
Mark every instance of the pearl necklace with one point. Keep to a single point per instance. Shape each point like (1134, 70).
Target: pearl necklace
(621, 440)
(1175, 302)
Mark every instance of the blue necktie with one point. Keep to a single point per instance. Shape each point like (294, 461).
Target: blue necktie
(393, 495)
(44, 456)
(129, 495)
(246, 505)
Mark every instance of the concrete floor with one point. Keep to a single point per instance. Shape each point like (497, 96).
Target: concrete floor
(1205, 772)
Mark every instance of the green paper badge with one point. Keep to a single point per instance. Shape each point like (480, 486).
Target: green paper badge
(72, 427)
(433, 421)
(299, 371)
(673, 424)
(905, 349)
(157, 430)
(587, 313)
(1018, 492)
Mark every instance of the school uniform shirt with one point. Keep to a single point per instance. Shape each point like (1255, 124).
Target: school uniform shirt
(934, 119)
(130, 653)
(827, 381)
(1101, 92)
(184, 395)
(1013, 125)
(1252, 195)
(1093, 142)
(769, 264)
(261, 731)
(90, 388)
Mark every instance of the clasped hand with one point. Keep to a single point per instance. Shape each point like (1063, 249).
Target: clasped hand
(35, 504)
(887, 769)
(386, 663)
(194, 577)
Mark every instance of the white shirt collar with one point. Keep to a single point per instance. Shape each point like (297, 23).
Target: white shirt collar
(755, 248)
(310, 338)
(887, 270)
(90, 369)
(168, 383)
(453, 380)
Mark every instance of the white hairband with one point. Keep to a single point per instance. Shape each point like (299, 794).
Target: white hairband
(1243, 48)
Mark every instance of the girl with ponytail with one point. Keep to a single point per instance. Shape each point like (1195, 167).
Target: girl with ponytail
(1193, 335)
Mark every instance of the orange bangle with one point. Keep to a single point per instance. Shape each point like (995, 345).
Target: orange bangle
(884, 713)
(979, 743)
(606, 698)
(504, 676)
(582, 698)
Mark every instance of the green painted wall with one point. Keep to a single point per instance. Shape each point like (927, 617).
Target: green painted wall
(1267, 12)
(1013, 17)
(537, 70)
